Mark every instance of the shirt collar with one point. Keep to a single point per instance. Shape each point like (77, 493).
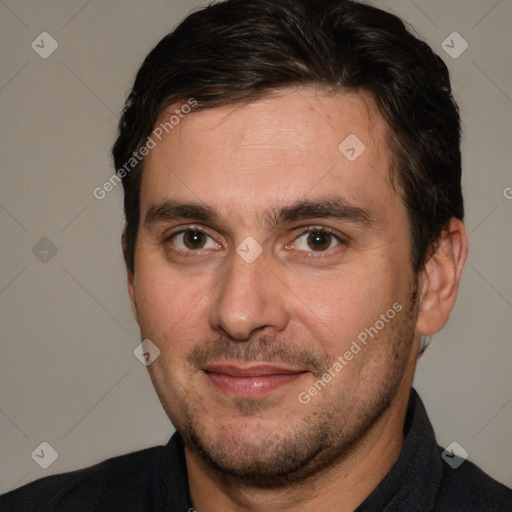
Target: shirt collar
(413, 481)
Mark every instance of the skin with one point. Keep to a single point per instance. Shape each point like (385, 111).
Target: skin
(294, 307)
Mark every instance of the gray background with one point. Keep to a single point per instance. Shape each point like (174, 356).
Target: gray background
(67, 369)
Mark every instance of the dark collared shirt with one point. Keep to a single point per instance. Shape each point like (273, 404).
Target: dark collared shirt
(155, 480)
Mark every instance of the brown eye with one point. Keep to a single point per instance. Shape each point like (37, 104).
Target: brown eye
(316, 240)
(194, 239)
(319, 240)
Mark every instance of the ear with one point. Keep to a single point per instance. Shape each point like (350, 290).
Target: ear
(441, 277)
(130, 280)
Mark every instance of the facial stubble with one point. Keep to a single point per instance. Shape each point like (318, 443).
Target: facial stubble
(309, 438)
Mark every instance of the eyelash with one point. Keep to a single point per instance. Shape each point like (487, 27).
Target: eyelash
(343, 240)
(187, 254)
(320, 229)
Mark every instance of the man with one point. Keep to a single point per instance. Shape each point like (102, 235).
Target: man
(293, 229)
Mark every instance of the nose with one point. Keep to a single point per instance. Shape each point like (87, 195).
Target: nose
(250, 298)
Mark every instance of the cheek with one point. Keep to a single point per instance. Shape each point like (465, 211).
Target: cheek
(168, 303)
(341, 305)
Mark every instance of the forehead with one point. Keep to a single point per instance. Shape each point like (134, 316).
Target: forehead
(294, 144)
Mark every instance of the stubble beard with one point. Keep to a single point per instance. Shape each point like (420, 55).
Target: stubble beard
(310, 438)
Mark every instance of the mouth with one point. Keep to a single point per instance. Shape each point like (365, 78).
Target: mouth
(251, 381)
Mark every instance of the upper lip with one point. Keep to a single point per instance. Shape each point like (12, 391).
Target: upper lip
(250, 370)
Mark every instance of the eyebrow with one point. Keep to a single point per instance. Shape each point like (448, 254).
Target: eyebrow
(169, 210)
(336, 208)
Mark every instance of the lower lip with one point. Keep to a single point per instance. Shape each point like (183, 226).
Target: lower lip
(253, 386)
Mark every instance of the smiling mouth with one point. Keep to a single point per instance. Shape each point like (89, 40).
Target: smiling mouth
(251, 381)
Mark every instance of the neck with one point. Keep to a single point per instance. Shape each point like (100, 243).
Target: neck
(342, 487)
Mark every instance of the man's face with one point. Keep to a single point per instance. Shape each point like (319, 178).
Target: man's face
(247, 326)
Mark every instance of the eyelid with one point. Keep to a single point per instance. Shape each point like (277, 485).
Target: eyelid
(176, 230)
(340, 237)
(313, 229)
(167, 236)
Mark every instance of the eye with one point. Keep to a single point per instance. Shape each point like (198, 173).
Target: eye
(193, 239)
(317, 240)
